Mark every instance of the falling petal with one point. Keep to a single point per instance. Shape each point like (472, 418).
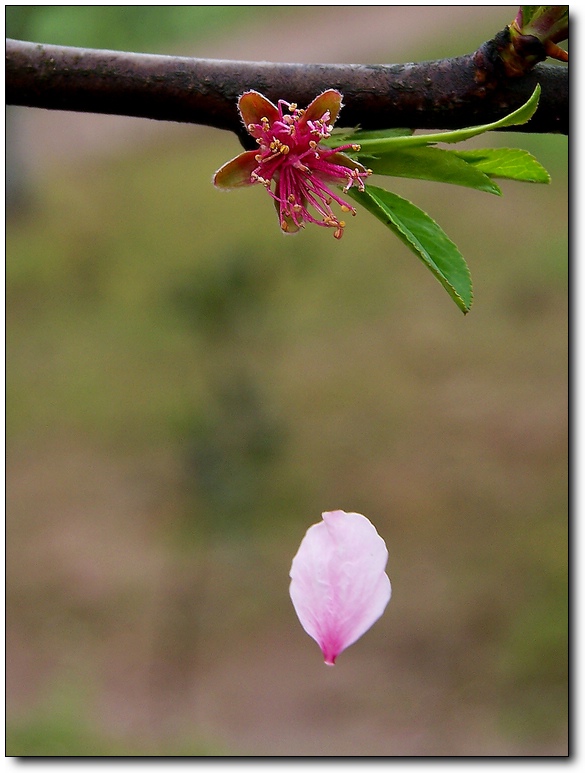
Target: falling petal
(339, 587)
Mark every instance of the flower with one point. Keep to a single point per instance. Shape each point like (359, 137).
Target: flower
(338, 584)
(290, 156)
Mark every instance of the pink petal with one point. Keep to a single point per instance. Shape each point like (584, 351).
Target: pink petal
(327, 101)
(254, 106)
(338, 584)
(236, 173)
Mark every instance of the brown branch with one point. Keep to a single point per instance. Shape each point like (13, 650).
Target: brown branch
(445, 94)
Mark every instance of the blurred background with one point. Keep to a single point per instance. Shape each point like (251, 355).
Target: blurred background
(188, 390)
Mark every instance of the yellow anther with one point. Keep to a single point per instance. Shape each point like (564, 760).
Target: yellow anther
(356, 147)
(292, 106)
(344, 208)
(256, 177)
(279, 147)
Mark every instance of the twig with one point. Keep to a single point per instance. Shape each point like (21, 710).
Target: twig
(444, 94)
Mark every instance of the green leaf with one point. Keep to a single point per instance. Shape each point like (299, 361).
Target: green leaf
(508, 163)
(433, 164)
(371, 147)
(348, 135)
(424, 237)
(373, 134)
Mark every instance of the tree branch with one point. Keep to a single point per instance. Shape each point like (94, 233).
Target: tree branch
(444, 94)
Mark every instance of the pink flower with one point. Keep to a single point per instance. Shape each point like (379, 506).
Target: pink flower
(290, 156)
(338, 584)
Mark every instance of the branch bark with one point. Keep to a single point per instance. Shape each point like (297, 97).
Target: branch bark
(444, 94)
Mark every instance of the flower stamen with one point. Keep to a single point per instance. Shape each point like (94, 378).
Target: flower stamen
(294, 168)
